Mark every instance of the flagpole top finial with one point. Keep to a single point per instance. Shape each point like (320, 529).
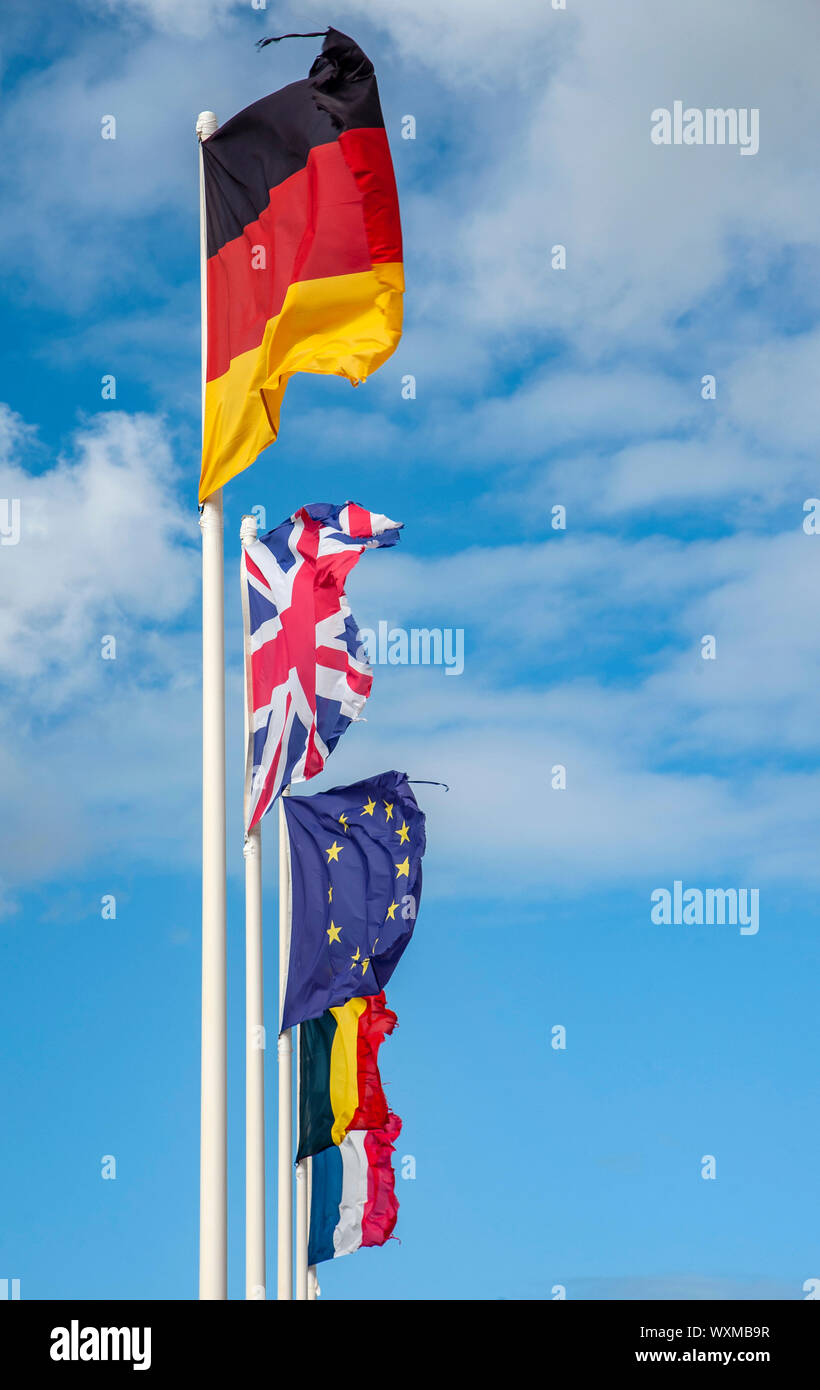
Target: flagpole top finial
(206, 124)
(248, 529)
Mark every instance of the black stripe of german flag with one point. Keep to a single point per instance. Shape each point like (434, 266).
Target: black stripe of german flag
(304, 251)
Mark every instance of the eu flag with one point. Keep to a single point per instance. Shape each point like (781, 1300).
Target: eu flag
(355, 855)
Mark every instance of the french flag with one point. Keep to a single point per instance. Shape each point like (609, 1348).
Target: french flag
(353, 1193)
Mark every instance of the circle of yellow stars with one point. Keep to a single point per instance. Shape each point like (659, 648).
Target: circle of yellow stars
(402, 871)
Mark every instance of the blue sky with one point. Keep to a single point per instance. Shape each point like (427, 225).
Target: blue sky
(535, 1168)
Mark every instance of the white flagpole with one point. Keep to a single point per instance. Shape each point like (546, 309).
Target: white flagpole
(302, 1198)
(213, 1189)
(311, 1281)
(285, 1060)
(255, 1276)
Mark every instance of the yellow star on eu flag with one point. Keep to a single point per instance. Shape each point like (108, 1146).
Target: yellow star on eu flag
(343, 822)
(391, 913)
(333, 933)
(333, 852)
(330, 894)
(388, 809)
(368, 808)
(365, 964)
(357, 956)
(403, 833)
(403, 868)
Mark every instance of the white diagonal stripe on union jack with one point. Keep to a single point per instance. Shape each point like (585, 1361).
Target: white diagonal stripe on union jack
(307, 679)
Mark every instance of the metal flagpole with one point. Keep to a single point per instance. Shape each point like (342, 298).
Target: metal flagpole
(254, 1022)
(213, 1193)
(302, 1196)
(285, 1059)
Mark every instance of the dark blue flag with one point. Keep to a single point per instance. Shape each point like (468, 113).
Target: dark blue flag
(355, 855)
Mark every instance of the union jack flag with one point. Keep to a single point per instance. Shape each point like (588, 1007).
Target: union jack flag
(306, 676)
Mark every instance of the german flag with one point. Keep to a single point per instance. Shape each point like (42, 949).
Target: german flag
(304, 251)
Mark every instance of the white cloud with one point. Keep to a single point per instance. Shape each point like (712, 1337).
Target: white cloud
(682, 766)
(773, 396)
(188, 17)
(502, 830)
(665, 472)
(649, 230)
(106, 548)
(96, 754)
(471, 44)
(103, 541)
(716, 473)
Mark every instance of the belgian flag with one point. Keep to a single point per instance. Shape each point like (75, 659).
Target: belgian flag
(340, 1088)
(304, 251)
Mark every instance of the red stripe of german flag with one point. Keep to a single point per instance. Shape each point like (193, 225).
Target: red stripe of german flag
(304, 251)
